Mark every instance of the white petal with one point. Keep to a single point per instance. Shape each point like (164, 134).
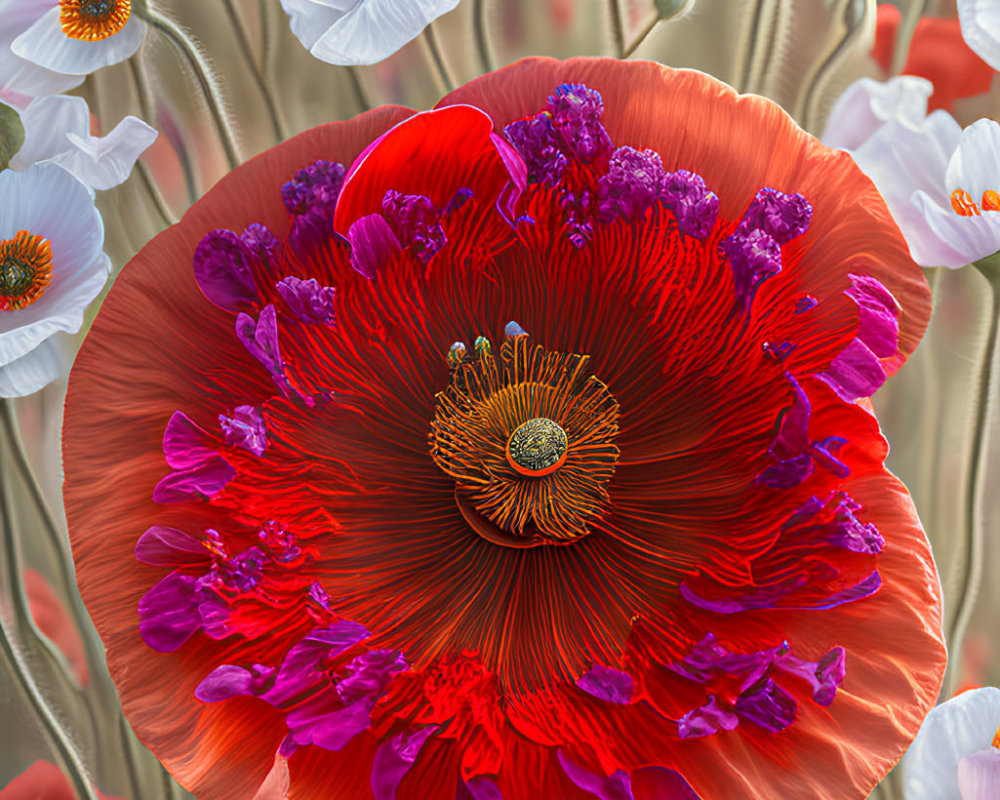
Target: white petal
(107, 161)
(45, 44)
(376, 29)
(981, 28)
(866, 105)
(31, 372)
(16, 74)
(971, 238)
(975, 164)
(50, 202)
(963, 725)
(902, 161)
(979, 775)
(310, 19)
(47, 121)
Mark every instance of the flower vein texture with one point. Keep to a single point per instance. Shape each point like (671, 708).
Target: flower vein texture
(518, 448)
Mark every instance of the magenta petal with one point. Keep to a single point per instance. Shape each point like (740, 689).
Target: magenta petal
(168, 613)
(222, 269)
(478, 789)
(201, 483)
(224, 682)
(168, 547)
(608, 684)
(245, 429)
(394, 758)
(186, 444)
(617, 786)
(372, 244)
(658, 783)
(706, 720)
(855, 372)
(878, 315)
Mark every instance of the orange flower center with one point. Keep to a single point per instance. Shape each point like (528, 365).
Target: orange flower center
(25, 270)
(996, 738)
(93, 20)
(528, 437)
(962, 203)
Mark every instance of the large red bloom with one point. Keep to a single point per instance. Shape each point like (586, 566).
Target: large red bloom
(525, 457)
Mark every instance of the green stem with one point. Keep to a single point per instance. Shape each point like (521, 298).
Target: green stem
(203, 74)
(432, 44)
(647, 29)
(974, 542)
(617, 29)
(22, 674)
(482, 38)
(58, 542)
(243, 40)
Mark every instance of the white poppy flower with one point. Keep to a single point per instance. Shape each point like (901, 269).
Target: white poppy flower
(941, 184)
(48, 46)
(980, 20)
(51, 267)
(57, 129)
(868, 104)
(360, 31)
(951, 758)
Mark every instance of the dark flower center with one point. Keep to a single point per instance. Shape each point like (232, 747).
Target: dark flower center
(537, 448)
(528, 435)
(93, 20)
(25, 270)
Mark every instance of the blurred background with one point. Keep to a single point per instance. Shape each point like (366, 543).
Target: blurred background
(57, 703)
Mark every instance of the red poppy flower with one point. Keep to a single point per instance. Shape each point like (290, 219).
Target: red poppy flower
(513, 449)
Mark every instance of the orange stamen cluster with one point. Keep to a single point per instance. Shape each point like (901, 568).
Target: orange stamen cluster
(529, 439)
(963, 204)
(93, 20)
(25, 270)
(996, 739)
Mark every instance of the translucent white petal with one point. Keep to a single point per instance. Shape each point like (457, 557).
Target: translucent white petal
(376, 29)
(903, 161)
(47, 122)
(31, 372)
(309, 19)
(971, 238)
(959, 727)
(16, 74)
(981, 28)
(45, 44)
(50, 202)
(867, 104)
(975, 164)
(107, 161)
(979, 775)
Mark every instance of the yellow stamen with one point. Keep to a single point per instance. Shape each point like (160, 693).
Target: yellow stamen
(93, 20)
(25, 270)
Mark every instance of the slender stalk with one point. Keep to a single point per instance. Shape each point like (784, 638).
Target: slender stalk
(153, 190)
(51, 530)
(357, 88)
(243, 40)
(617, 29)
(203, 74)
(974, 541)
(646, 30)
(430, 37)
(482, 40)
(22, 674)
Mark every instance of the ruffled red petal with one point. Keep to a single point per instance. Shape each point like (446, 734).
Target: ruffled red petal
(702, 125)
(158, 346)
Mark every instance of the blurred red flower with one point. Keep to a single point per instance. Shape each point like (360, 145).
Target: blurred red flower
(535, 466)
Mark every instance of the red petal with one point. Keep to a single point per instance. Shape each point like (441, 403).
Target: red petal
(161, 361)
(697, 123)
